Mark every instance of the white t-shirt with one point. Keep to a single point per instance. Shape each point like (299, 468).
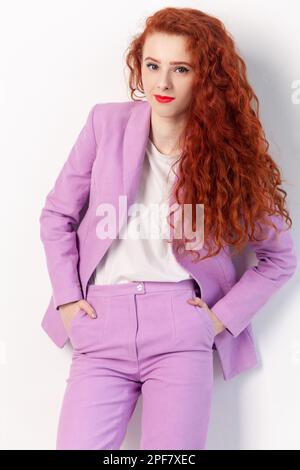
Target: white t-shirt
(145, 259)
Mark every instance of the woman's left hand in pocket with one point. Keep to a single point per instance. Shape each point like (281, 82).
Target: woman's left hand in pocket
(217, 324)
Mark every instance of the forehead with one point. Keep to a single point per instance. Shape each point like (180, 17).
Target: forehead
(166, 47)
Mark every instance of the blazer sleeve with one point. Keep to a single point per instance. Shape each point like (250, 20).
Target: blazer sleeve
(61, 214)
(277, 263)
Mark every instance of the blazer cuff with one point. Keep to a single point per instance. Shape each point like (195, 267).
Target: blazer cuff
(72, 294)
(233, 325)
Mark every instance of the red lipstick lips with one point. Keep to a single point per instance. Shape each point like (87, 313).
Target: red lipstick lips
(164, 99)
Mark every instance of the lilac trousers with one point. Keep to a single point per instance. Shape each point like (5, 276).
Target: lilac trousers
(145, 340)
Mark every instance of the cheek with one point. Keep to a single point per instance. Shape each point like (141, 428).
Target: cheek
(146, 77)
(148, 82)
(187, 87)
(186, 94)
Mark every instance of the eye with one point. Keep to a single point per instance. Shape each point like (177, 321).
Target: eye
(185, 70)
(149, 65)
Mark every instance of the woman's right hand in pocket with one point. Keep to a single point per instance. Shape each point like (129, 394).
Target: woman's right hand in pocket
(69, 311)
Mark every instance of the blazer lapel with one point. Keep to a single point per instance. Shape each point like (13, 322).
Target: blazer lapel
(134, 148)
(135, 139)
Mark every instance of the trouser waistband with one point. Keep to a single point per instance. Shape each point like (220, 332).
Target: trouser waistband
(140, 287)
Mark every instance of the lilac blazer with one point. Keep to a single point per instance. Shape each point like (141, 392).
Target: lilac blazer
(104, 163)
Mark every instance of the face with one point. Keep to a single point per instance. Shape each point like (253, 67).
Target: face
(162, 77)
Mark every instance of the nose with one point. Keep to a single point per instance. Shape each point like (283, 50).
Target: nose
(164, 81)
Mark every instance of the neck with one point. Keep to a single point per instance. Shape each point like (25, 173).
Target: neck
(165, 131)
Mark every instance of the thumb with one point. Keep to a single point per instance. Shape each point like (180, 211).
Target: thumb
(84, 305)
(197, 301)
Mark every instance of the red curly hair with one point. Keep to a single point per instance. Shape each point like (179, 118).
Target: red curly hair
(224, 163)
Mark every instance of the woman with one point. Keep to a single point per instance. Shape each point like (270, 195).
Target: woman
(145, 314)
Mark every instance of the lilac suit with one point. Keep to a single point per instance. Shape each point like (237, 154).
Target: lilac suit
(146, 338)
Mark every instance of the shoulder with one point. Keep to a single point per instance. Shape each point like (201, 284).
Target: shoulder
(118, 109)
(111, 118)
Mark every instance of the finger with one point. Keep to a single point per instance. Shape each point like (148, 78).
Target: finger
(197, 301)
(84, 305)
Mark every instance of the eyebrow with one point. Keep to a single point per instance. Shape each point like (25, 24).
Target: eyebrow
(174, 62)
